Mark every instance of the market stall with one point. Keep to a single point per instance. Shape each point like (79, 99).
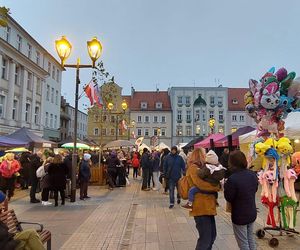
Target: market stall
(206, 143)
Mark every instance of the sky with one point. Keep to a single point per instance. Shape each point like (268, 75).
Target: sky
(163, 43)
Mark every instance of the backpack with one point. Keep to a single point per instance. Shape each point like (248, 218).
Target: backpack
(184, 187)
(136, 163)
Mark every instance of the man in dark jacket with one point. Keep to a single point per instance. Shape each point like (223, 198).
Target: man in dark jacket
(174, 167)
(84, 176)
(35, 163)
(112, 164)
(146, 165)
(68, 163)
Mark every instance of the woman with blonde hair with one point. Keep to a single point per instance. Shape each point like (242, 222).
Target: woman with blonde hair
(205, 202)
(58, 177)
(45, 180)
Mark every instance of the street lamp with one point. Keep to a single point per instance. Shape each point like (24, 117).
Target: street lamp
(212, 124)
(63, 49)
(110, 107)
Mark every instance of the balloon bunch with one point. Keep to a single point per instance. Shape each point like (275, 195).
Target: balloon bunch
(271, 99)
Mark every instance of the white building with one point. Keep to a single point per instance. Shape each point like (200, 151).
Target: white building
(193, 107)
(30, 84)
(82, 120)
(152, 113)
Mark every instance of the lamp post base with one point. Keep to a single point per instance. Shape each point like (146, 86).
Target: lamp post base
(73, 195)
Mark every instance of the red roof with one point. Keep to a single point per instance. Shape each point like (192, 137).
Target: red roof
(151, 98)
(236, 99)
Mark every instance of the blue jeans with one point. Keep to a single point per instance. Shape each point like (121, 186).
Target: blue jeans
(244, 236)
(172, 185)
(206, 226)
(192, 192)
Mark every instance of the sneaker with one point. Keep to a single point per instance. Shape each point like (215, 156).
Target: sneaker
(35, 201)
(46, 203)
(187, 206)
(81, 199)
(86, 197)
(171, 206)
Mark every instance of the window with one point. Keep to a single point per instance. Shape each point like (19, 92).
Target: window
(139, 132)
(2, 105)
(220, 101)
(179, 100)
(188, 101)
(163, 119)
(112, 131)
(163, 132)
(104, 118)
(242, 118)
(155, 132)
(29, 81)
(155, 119)
(27, 112)
(29, 50)
(49, 67)
(52, 95)
(158, 105)
(143, 105)
(47, 120)
(38, 58)
(203, 115)
(234, 118)
(104, 131)
(112, 118)
(179, 115)
(55, 121)
(53, 72)
(198, 130)
(38, 86)
(57, 75)
(48, 92)
(197, 115)
(51, 120)
(139, 119)
(19, 42)
(146, 132)
(146, 118)
(188, 115)
(212, 101)
(37, 115)
(221, 115)
(96, 131)
(221, 129)
(211, 114)
(15, 110)
(233, 130)
(234, 101)
(188, 130)
(56, 97)
(17, 72)
(7, 31)
(4, 69)
(179, 130)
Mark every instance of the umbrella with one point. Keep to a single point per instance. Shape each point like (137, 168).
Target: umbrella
(119, 144)
(78, 145)
(17, 150)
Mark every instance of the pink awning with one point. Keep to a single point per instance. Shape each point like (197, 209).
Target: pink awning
(206, 142)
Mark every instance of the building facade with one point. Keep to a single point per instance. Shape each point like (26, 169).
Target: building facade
(30, 84)
(65, 119)
(82, 121)
(104, 125)
(152, 115)
(193, 107)
(236, 115)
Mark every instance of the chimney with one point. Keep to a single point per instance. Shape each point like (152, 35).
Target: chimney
(132, 91)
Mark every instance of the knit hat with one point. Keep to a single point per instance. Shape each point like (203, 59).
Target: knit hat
(2, 197)
(86, 157)
(211, 158)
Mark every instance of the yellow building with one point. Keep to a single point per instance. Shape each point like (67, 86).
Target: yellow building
(105, 124)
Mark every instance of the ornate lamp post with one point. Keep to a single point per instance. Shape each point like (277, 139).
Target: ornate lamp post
(212, 124)
(110, 107)
(63, 49)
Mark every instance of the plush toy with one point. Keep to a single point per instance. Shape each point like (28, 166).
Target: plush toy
(288, 212)
(270, 97)
(271, 142)
(296, 162)
(261, 148)
(270, 205)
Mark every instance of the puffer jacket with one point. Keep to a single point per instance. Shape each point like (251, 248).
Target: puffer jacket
(8, 169)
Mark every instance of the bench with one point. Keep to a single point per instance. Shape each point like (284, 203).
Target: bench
(14, 226)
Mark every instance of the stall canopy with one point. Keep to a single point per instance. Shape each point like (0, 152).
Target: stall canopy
(161, 146)
(193, 142)
(10, 142)
(206, 142)
(235, 137)
(31, 138)
(119, 144)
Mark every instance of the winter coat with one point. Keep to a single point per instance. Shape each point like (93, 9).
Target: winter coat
(35, 163)
(84, 171)
(25, 165)
(57, 174)
(145, 161)
(8, 169)
(240, 189)
(204, 204)
(155, 163)
(113, 162)
(214, 178)
(135, 161)
(45, 180)
(174, 167)
(68, 162)
(7, 241)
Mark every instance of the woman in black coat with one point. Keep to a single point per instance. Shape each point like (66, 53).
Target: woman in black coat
(58, 177)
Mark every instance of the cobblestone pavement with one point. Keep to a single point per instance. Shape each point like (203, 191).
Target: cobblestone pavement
(128, 219)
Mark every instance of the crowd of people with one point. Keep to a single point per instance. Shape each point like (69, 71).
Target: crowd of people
(206, 174)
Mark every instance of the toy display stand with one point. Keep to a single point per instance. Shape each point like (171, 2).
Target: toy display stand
(277, 231)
